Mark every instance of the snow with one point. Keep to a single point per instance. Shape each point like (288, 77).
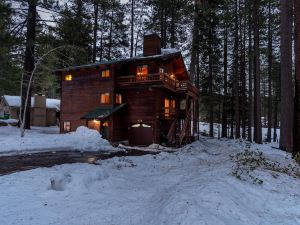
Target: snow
(192, 186)
(15, 101)
(9, 121)
(204, 128)
(169, 51)
(48, 138)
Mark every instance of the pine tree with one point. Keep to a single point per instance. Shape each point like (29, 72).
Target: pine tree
(286, 114)
(257, 98)
(74, 28)
(9, 70)
(296, 146)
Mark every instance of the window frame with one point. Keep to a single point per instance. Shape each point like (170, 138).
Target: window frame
(65, 125)
(109, 96)
(104, 71)
(119, 96)
(140, 74)
(68, 77)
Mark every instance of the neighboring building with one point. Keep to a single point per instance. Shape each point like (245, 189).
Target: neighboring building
(145, 99)
(43, 111)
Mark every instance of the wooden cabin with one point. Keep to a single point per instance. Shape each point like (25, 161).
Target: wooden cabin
(143, 100)
(44, 111)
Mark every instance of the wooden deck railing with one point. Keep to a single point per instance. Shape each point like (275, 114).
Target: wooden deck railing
(157, 77)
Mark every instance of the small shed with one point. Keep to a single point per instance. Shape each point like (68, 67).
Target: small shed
(44, 111)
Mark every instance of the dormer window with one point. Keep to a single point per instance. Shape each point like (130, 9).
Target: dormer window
(68, 77)
(105, 73)
(141, 71)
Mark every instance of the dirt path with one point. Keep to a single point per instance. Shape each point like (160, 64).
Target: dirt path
(15, 163)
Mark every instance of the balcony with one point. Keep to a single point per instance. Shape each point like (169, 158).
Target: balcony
(159, 79)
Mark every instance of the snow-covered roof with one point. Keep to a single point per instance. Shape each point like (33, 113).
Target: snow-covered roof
(165, 54)
(15, 101)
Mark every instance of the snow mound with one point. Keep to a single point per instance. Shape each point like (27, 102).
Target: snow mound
(59, 182)
(48, 138)
(86, 139)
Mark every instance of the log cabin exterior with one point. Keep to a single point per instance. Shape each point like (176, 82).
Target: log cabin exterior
(144, 100)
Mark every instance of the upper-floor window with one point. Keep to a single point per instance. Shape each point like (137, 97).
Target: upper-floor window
(68, 77)
(142, 71)
(118, 99)
(105, 73)
(105, 98)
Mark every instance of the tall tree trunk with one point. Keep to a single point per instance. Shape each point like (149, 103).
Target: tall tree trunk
(286, 113)
(257, 98)
(131, 29)
(96, 10)
(225, 111)
(101, 36)
(275, 121)
(29, 60)
(195, 44)
(110, 36)
(236, 74)
(270, 62)
(210, 86)
(243, 73)
(172, 27)
(296, 146)
(250, 66)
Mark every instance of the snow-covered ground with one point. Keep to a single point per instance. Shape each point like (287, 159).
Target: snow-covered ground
(204, 128)
(47, 138)
(192, 186)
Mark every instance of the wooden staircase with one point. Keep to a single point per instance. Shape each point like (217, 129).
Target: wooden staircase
(178, 132)
(185, 127)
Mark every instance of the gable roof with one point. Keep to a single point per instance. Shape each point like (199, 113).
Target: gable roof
(15, 101)
(165, 54)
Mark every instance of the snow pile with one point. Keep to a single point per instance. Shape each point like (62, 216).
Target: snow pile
(48, 138)
(189, 187)
(6, 122)
(153, 147)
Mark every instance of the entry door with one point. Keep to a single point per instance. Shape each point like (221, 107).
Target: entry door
(141, 134)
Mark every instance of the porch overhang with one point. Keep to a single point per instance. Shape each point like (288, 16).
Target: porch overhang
(102, 113)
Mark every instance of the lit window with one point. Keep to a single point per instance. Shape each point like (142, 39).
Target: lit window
(170, 106)
(161, 70)
(105, 98)
(118, 99)
(105, 73)
(173, 104)
(167, 107)
(135, 125)
(68, 77)
(172, 76)
(94, 124)
(67, 126)
(105, 124)
(142, 71)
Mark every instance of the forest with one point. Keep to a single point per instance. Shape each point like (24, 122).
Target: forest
(243, 55)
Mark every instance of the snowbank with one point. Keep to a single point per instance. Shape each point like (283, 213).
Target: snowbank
(189, 187)
(48, 138)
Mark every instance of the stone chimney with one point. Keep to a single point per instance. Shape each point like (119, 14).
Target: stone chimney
(39, 111)
(39, 101)
(152, 44)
